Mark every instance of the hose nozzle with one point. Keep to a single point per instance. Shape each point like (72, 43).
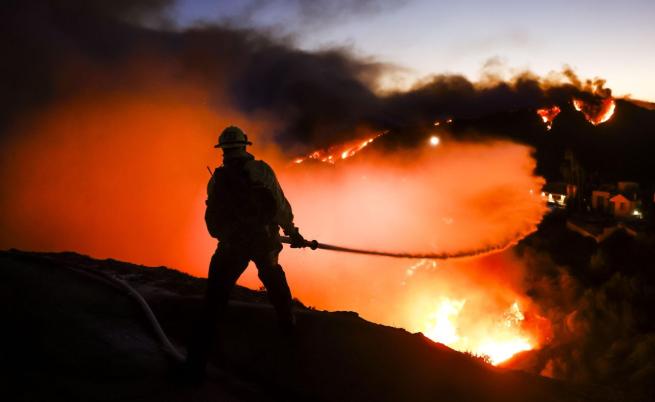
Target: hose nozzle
(313, 244)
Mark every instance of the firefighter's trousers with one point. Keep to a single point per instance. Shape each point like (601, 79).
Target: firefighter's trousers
(227, 264)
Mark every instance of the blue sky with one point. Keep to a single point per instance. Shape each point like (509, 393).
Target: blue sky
(614, 40)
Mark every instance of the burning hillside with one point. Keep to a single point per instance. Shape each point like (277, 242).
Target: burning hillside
(548, 114)
(338, 153)
(500, 343)
(596, 113)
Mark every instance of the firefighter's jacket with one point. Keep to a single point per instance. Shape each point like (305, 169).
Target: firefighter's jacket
(261, 174)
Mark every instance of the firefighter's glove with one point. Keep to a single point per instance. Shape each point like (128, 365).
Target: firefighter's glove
(297, 241)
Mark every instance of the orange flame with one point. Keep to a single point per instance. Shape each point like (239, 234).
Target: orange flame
(497, 343)
(596, 114)
(548, 114)
(339, 152)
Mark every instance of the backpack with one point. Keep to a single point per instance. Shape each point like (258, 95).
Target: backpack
(237, 208)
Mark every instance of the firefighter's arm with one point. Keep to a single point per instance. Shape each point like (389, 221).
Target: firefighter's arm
(263, 174)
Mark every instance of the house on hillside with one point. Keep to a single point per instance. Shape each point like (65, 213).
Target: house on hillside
(623, 207)
(621, 201)
(600, 198)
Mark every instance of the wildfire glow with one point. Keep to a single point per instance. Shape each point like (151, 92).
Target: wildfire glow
(499, 351)
(497, 342)
(442, 323)
(548, 114)
(596, 114)
(338, 152)
(465, 304)
(398, 201)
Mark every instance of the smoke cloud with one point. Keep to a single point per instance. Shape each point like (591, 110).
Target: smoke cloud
(56, 50)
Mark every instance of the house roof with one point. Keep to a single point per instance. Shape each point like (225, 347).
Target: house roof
(619, 197)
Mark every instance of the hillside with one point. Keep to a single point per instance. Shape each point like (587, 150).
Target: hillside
(68, 336)
(619, 149)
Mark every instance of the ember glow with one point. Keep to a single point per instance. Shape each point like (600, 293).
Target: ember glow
(548, 114)
(339, 152)
(470, 305)
(465, 196)
(596, 113)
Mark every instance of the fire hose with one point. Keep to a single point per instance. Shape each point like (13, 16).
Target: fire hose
(120, 284)
(313, 244)
(173, 352)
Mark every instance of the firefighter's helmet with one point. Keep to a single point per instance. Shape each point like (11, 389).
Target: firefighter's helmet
(232, 137)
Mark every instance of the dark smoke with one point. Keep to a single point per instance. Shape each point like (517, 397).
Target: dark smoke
(53, 50)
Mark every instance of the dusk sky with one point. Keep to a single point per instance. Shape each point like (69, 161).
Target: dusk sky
(607, 39)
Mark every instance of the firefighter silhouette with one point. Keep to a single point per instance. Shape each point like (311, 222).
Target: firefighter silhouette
(245, 209)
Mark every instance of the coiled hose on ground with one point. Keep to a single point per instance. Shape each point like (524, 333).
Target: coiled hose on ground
(120, 284)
